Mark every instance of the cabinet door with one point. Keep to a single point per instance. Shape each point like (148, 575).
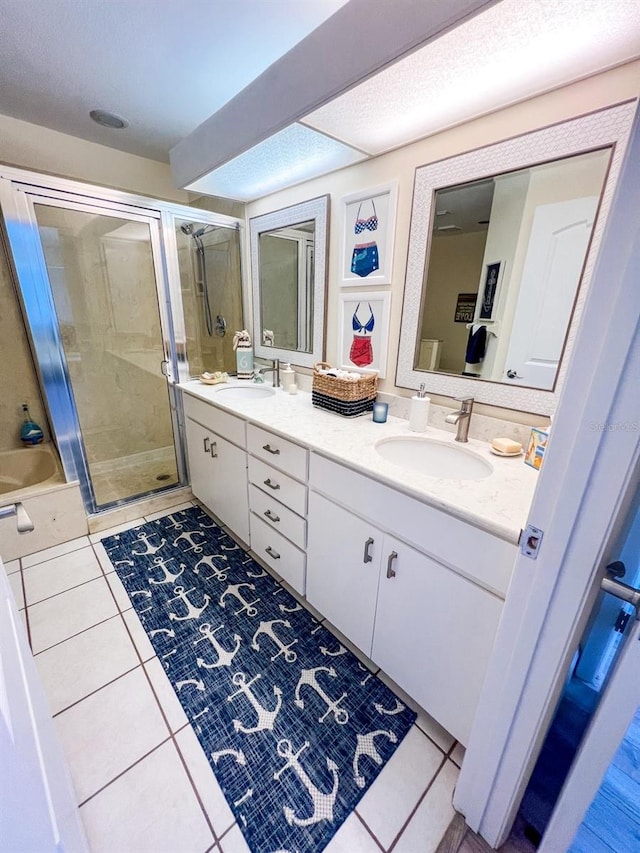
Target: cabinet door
(342, 569)
(433, 635)
(230, 495)
(200, 462)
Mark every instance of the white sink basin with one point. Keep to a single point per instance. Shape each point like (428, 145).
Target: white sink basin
(434, 458)
(245, 392)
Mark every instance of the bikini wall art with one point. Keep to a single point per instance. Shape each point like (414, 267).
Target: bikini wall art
(364, 331)
(367, 236)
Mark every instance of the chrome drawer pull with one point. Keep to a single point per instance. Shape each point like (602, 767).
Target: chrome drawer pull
(271, 485)
(390, 572)
(270, 449)
(367, 558)
(206, 444)
(214, 448)
(272, 553)
(271, 516)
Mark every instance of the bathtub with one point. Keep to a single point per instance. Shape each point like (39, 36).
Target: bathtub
(34, 476)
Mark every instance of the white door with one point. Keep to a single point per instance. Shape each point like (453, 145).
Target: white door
(550, 276)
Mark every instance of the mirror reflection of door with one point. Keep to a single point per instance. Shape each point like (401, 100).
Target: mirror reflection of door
(526, 232)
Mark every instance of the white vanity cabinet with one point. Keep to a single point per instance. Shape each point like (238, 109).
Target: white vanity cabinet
(218, 463)
(278, 503)
(411, 609)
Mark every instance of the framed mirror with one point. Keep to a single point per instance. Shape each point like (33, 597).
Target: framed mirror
(501, 250)
(288, 272)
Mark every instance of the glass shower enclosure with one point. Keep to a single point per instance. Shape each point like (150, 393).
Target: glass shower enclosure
(120, 304)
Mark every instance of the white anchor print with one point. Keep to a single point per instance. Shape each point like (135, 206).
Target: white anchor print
(327, 653)
(150, 549)
(308, 679)
(317, 628)
(145, 593)
(367, 676)
(175, 523)
(238, 754)
(266, 718)
(260, 574)
(267, 628)
(224, 657)
(167, 575)
(322, 802)
(284, 609)
(168, 631)
(243, 799)
(217, 573)
(202, 518)
(195, 682)
(124, 563)
(366, 746)
(201, 714)
(247, 606)
(188, 537)
(192, 611)
(397, 710)
(233, 547)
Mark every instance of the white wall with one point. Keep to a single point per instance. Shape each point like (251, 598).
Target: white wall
(606, 89)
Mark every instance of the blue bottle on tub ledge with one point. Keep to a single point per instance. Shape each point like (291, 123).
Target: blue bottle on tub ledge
(30, 432)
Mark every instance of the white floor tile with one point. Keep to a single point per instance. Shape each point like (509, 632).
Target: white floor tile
(166, 695)
(122, 598)
(352, 837)
(118, 528)
(169, 511)
(101, 554)
(23, 616)
(393, 796)
(435, 813)
(55, 551)
(11, 567)
(64, 615)
(15, 582)
(429, 726)
(139, 635)
(457, 755)
(78, 666)
(234, 842)
(150, 809)
(109, 731)
(210, 792)
(59, 574)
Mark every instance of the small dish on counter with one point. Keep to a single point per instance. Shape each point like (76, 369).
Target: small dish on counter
(213, 378)
(502, 453)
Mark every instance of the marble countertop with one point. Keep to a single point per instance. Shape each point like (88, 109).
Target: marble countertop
(498, 504)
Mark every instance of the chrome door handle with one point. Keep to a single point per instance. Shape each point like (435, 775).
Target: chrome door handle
(271, 516)
(513, 374)
(621, 590)
(367, 558)
(214, 447)
(272, 553)
(271, 485)
(164, 367)
(206, 444)
(391, 572)
(269, 449)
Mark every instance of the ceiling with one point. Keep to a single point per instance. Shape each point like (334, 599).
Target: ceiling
(164, 65)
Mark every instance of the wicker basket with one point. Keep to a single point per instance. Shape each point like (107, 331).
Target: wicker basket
(349, 398)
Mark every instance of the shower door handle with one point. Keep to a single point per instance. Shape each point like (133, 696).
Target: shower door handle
(164, 368)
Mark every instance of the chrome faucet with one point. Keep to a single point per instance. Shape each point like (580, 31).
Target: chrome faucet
(462, 418)
(275, 369)
(23, 522)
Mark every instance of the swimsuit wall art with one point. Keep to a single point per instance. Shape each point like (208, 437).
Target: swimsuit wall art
(361, 352)
(364, 259)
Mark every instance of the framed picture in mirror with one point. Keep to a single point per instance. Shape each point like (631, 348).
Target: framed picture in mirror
(368, 229)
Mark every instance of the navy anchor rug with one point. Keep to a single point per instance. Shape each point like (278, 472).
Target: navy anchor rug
(294, 726)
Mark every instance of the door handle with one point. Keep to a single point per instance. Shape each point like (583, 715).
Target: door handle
(164, 367)
(390, 571)
(271, 485)
(513, 374)
(367, 558)
(272, 553)
(214, 449)
(206, 444)
(271, 516)
(269, 449)
(621, 590)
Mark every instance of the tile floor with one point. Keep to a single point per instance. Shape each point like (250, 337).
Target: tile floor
(141, 778)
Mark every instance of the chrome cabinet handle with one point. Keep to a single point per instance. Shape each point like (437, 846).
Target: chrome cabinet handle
(271, 516)
(271, 485)
(272, 553)
(390, 572)
(206, 444)
(367, 558)
(270, 449)
(214, 447)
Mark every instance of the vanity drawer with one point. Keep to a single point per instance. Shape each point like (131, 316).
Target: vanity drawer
(278, 516)
(281, 487)
(281, 452)
(224, 424)
(278, 553)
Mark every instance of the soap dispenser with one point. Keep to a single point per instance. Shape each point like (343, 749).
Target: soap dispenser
(287, 377)
(30, 432)
(419, 411)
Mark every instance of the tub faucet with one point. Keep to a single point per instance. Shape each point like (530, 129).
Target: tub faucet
(462, 418)
(23, 522)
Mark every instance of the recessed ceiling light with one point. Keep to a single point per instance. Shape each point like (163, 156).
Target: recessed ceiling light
(107, 119)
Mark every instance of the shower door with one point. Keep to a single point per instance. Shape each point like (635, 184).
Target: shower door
(93, 289)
